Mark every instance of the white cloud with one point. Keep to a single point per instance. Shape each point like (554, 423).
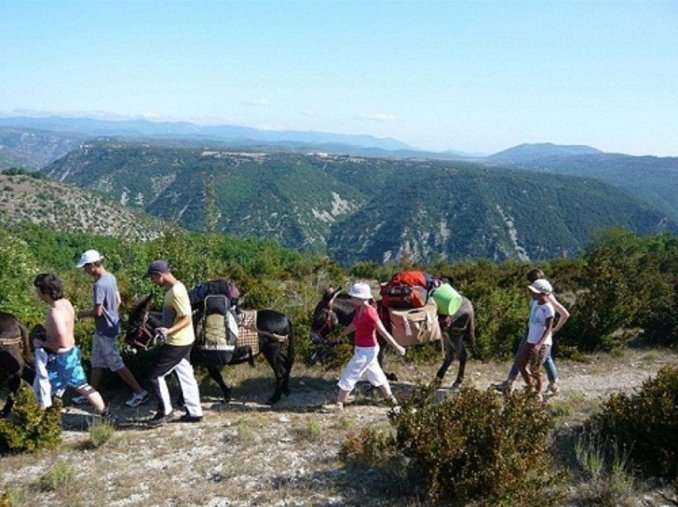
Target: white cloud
(381, 117)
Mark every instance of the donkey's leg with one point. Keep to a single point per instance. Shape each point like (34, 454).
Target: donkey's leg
(271, 352)
(449, 349)
(215, 373)
(463, 357)
(392, 377)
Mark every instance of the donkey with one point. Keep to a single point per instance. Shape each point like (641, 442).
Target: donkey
(16, 358)
(336, 308)
(273, 329)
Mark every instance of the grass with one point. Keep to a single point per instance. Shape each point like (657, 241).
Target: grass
(59, 476)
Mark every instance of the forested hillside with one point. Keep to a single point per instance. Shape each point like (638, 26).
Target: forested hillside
(357, 208)
(28, 198)
(651, 180)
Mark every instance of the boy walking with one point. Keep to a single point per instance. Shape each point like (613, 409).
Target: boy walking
(58, 360)
(539, 337)
(105, 352)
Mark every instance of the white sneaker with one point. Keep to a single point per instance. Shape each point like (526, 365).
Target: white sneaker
(137, 399)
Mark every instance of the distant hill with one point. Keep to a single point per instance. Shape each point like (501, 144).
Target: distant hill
(33, 149)
(528, 152)
(357, 208)
(652, 180)
(28, 198)
(144, 129)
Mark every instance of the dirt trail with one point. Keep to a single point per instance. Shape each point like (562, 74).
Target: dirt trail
(246, 453)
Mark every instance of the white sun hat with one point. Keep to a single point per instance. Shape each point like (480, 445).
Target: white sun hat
(360, 290)
(89, 257)
(541, 286)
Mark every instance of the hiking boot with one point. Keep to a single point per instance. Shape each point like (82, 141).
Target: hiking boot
(188, 418)
(137, 399)
(553, 388)
(159, 419)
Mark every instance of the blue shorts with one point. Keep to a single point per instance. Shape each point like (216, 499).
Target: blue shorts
(65, 370)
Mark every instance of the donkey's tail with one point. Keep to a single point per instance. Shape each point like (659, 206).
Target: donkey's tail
(291, 342)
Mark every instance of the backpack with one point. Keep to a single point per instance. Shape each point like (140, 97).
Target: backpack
(217, 328)
(221, 286)
(407, 289)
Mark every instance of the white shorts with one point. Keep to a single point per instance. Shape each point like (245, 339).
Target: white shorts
(363, 362)
(105, 353)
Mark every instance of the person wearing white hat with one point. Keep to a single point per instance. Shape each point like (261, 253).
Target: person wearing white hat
(104, 311)
(365, 325)
(539, 335)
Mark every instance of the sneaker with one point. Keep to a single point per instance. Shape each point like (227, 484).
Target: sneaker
(554, 388)
(188, 418)
(159, 419)
(78, 400)
(137, 399)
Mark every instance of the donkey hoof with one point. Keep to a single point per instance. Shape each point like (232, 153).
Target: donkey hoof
(457, 385)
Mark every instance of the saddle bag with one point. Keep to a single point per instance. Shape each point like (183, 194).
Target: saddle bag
(416, 325)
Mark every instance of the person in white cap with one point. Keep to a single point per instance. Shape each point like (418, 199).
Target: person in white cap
(365, 325)
(539, 335)
(104, 311)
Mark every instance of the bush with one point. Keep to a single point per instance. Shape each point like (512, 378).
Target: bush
(477, 446)
(645, 424)
(367, 446)
(29, 427)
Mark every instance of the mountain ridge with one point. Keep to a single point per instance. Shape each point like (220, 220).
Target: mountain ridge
(356, 208)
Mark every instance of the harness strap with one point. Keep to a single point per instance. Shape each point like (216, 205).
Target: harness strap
(278, 337)
(18, 340)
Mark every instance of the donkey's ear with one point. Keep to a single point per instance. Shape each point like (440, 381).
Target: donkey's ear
(330, 292)
(147, 300)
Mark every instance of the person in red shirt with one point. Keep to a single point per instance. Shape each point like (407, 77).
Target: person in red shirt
(365, 325)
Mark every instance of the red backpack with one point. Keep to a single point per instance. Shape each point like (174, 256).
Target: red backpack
(407, 289)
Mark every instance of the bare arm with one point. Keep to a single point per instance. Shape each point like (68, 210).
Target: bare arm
(561, 311)
(387, 336)
(347, 330)
(96, 311)
(182, 322)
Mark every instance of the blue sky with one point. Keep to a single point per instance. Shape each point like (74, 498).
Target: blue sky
(476, 76)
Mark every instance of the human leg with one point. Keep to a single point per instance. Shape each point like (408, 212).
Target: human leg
(189, 387)
(551, 373)
(41, 385)
(93, 397)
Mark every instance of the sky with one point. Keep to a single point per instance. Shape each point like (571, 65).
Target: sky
(472, 76)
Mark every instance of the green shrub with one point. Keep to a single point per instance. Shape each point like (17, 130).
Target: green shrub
(367, 446)
(477, 446)
(29, 427)
(644, 424)
(100, 433)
